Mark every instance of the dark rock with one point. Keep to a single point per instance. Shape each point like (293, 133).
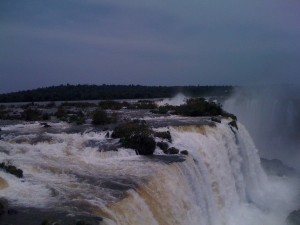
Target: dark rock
(184, 152)
(82, 222)
(233, 124)
(3, 206)
(275, 167)
(12, 212)
(50, 222)
(173, 151)
(163, 145)
(215, 119)
(107, 135)
(166, 159)
(46, 125)
(11, 169)
(294, 218)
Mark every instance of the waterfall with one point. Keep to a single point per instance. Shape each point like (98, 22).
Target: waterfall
(220, 182)
(272, 115)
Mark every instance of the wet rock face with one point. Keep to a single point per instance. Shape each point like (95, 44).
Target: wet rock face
(11, 169)
(3, 207)
(35, 216)
(184, 152)
(5, 210)
(233, 124)
(216, 119)
(172, 151)
(163, 145)
(294, 218)
(275, 167)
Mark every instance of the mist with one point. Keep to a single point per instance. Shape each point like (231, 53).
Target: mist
(272, 116)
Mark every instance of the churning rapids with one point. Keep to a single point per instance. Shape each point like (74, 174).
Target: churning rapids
(220, 181)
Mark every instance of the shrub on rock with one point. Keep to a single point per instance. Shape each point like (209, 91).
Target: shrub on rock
(162, 109)
(100, 117)
(61, 113)
(110, 104)
(163, 135)
(233, 124)
(32, 114)
(199, 107)
(137, 135)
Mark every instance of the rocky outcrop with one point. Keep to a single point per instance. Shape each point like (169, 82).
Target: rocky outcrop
(172, 151)
(233, 124)
(163, 145)
(275, 167)
(11, 169)
(215, 119)
(184, 152)
(294, 218)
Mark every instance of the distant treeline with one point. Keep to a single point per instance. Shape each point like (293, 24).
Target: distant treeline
(105, 92)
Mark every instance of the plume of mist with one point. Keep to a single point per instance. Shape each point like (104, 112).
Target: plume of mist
(272, 116)
(177, 100)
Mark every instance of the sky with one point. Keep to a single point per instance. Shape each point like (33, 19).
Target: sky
(148, 42)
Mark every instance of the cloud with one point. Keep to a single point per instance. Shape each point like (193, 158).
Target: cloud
(184, 42)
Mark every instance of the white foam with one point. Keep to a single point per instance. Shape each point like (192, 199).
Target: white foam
(221, 181)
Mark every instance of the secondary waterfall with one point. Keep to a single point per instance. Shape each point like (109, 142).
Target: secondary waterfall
(220, 182)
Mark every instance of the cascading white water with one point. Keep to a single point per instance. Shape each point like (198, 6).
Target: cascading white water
(220, 182)
(272, 116)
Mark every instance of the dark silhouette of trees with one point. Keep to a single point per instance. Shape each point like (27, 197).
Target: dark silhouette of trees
(108, 92)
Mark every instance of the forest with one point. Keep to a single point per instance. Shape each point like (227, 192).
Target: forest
(105, 92)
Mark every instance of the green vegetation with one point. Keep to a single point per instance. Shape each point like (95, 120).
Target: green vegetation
(114, 105)
(143, 104)
(163, 109)
(100, 117)
(195, 107)
(61, 113)
(3, 114)
(79, 118)
(7, 167)
(70, 116)
(78, 104)
(31, 114)
(137, 135)
(105, 92)
(198, 107)
(163, 135)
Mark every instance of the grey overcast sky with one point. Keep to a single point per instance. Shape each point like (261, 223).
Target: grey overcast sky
(149, 42)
